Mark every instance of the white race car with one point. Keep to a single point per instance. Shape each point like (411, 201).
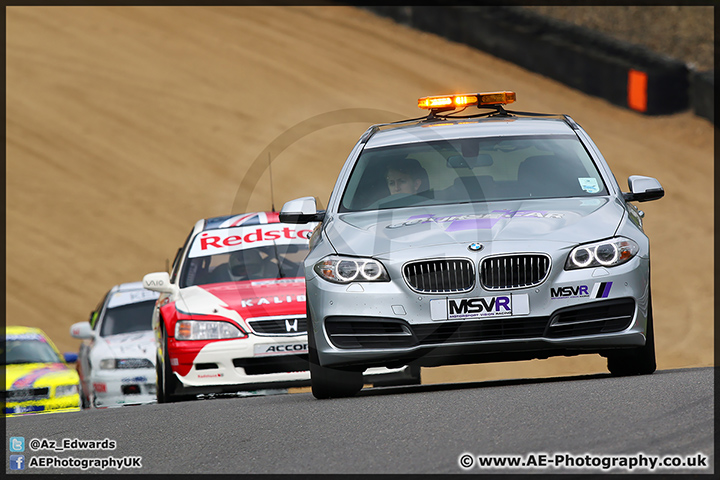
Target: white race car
(231, 314)
(116, 361)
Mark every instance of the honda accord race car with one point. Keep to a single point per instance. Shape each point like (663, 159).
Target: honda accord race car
(470, 237)
(37, 378)
(231, 314)
(116, 361)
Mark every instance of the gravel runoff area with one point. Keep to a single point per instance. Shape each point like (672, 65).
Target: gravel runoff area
(685, 33)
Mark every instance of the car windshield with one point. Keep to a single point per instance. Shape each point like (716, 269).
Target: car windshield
(246, 253)
(471, 170)
(132, 317)
(29, 351)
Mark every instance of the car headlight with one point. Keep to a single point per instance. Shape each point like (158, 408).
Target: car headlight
(121, 363)
(607, 253)
(339, 269)
(66, 390)
(107, 364)
(206, 330)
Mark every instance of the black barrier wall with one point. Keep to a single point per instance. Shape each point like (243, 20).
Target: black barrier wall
(702, 94)
(625, 74)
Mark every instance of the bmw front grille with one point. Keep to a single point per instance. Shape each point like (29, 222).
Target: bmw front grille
(507, 272)
(450, 275)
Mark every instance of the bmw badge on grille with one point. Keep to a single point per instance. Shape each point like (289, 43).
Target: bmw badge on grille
(475, 247)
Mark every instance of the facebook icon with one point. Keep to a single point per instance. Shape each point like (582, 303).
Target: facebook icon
(17, 462)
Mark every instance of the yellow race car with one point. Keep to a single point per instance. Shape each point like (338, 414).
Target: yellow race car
(37, 377)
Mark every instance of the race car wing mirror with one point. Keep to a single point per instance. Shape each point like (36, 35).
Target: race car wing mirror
(158, 282)
(643, 189)
(70, 357)
(301, 210)
(81, 330)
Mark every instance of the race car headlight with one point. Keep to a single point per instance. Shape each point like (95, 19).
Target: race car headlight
(339, 269)
(121, 363)
(107, 364)
(66, 390)
(206, 330)
(608, 253)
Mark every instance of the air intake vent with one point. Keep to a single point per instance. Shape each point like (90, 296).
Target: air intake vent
(514, 271)
(440, 276)
(593, 319)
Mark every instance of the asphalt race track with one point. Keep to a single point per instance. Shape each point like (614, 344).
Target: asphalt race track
(421, 429)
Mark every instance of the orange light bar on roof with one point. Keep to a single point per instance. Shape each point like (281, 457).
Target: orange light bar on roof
(445, 101)
(496, 98)
(466, 99)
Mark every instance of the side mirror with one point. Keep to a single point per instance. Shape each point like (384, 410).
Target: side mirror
(643, 189)
(301, 210)
(82, 330)
(158, 282)
(70, 357)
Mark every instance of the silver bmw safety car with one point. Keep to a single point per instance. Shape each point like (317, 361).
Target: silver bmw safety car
(475, 237)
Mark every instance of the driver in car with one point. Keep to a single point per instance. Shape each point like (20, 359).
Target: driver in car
(406, 175)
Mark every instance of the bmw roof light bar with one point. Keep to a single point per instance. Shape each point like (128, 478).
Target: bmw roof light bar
(444, 103)
(458, 102)
(448, 103)
(491, 100)
(452, 102)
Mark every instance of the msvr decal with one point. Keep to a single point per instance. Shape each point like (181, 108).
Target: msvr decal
(479, 307)
(599, 290)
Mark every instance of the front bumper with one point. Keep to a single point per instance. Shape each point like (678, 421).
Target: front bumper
(253, 362)
(115, 388)
(365, 325)
(70, 403)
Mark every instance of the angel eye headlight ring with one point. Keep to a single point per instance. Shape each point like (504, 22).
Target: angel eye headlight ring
(606, 253)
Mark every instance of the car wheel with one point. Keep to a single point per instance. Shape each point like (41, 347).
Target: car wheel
(639, 361)
(167, 383)
(330, 382)
(159, 383)
(84, 403)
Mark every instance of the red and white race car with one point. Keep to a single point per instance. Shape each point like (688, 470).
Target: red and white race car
(231, 314)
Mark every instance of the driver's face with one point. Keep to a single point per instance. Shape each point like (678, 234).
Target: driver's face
(239, 270)
(399, 182)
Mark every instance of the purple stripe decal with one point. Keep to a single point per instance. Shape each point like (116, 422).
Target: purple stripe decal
(28, 380)
(475, 224)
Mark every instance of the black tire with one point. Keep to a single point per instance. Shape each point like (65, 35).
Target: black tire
(159, 384)
(330, 382)
(167, 384)
(84, 402)
(638, 361)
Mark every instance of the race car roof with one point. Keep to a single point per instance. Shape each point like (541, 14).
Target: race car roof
(243, 219)
(24, 333)
(468, 128)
